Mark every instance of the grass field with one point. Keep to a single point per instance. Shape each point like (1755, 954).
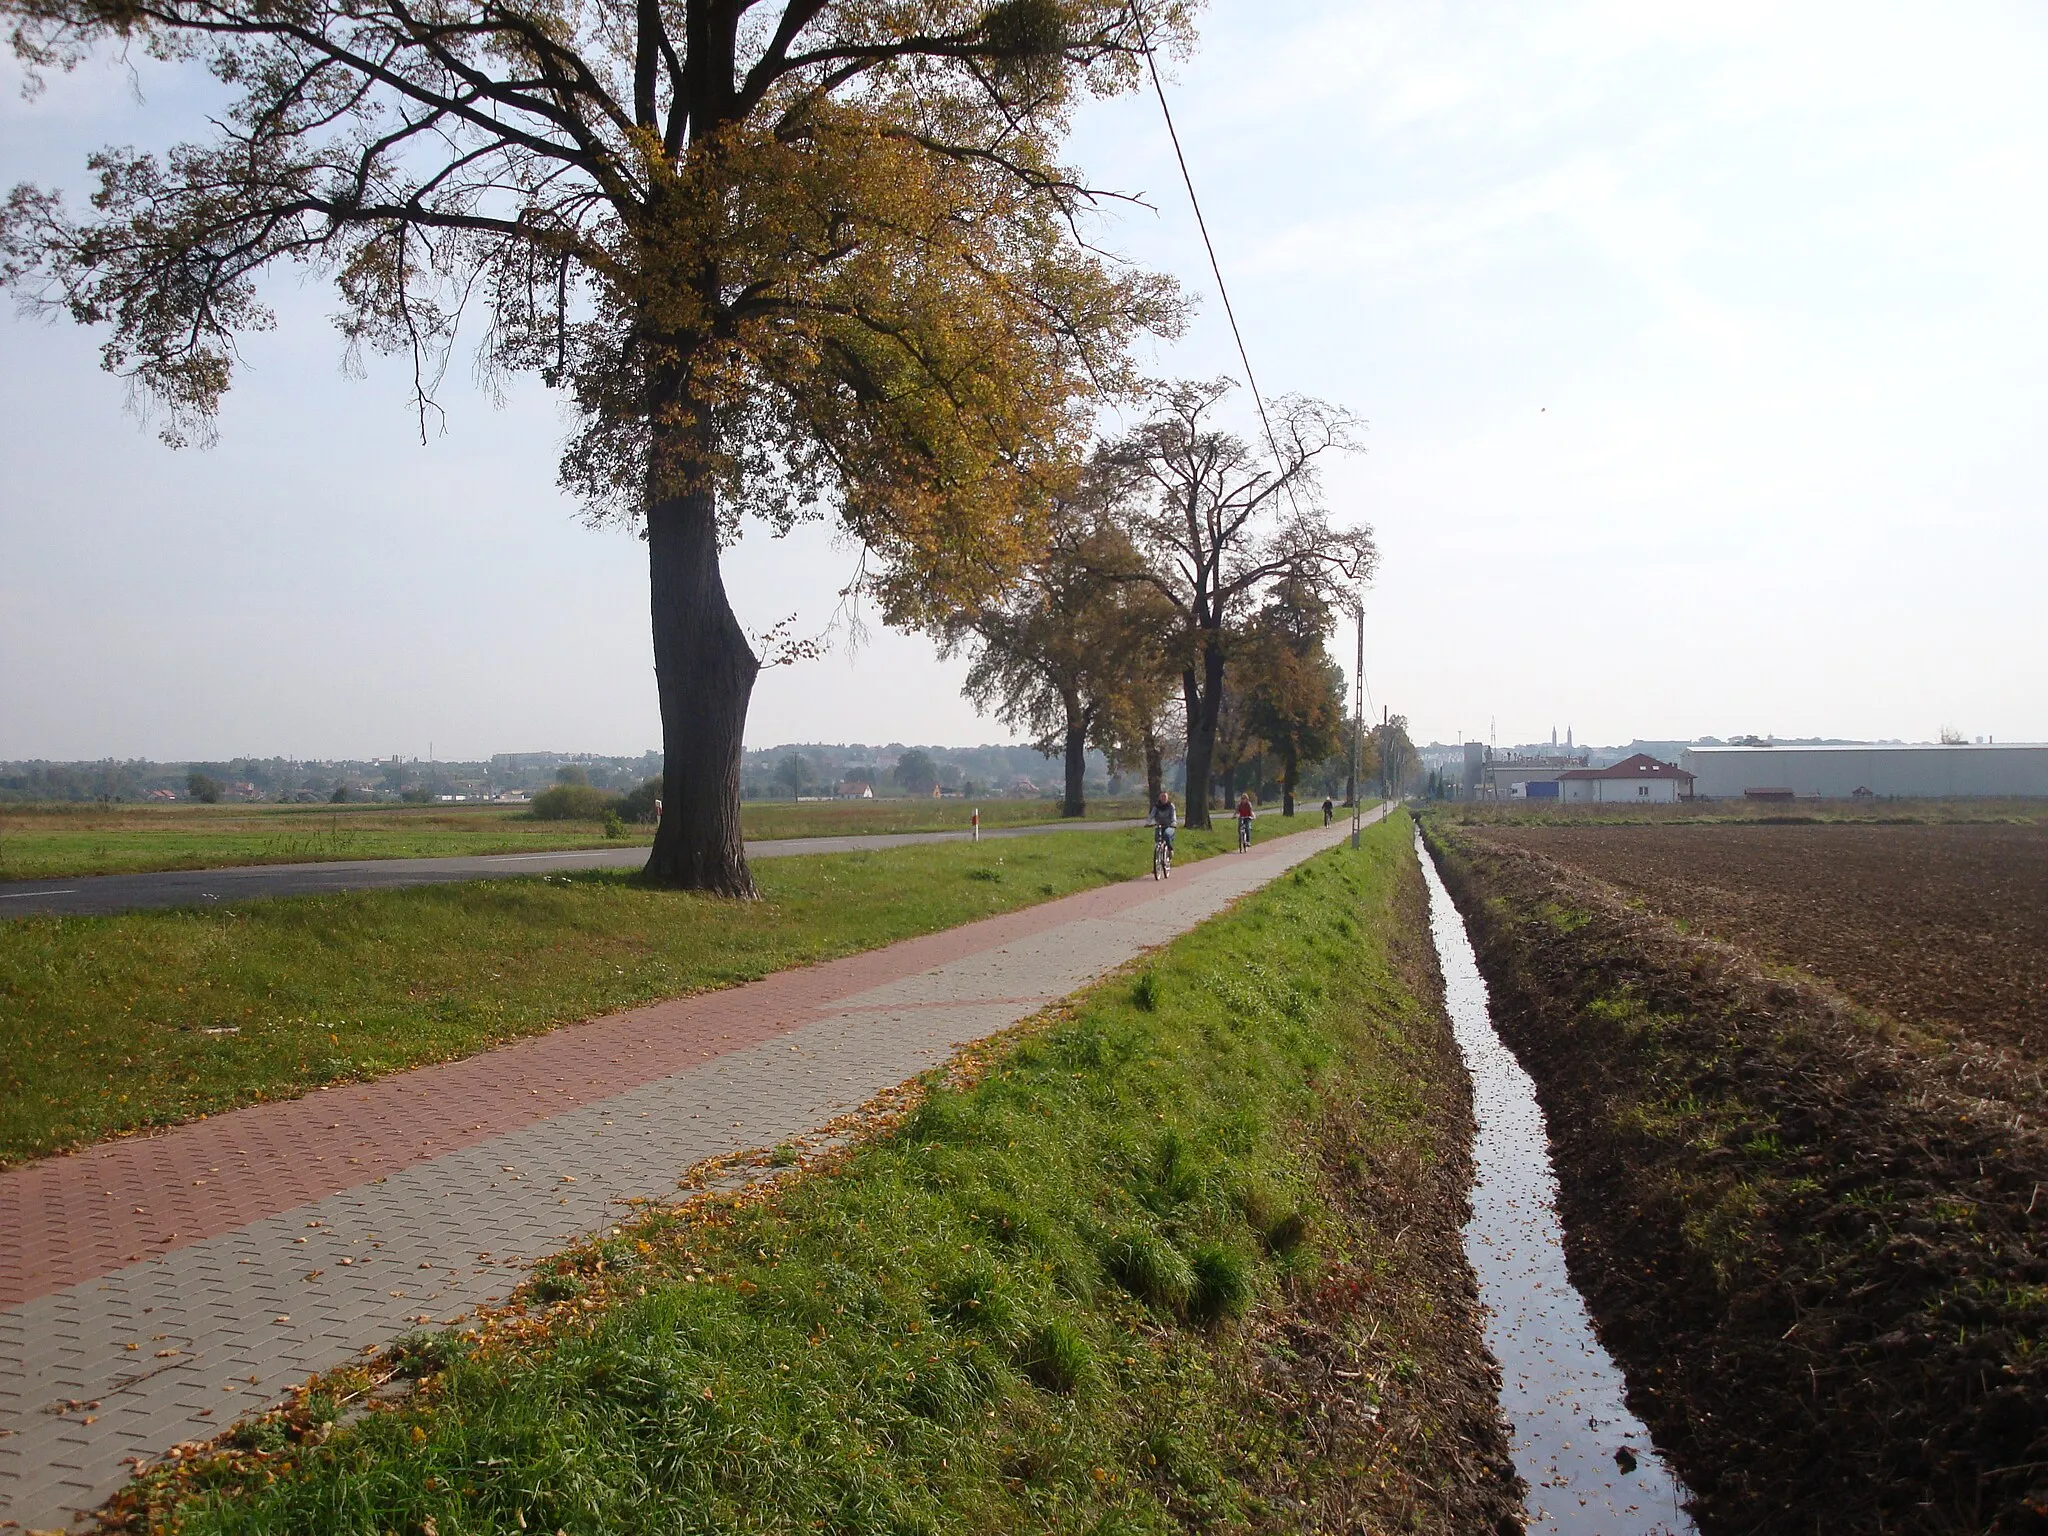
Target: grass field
(1181, 1257)
(837, 818)
(116, 1023)
(40, 842)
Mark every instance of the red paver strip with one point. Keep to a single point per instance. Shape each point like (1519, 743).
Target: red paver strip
(68, 1219)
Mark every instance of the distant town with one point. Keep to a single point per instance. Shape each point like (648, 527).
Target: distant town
(1754, 767)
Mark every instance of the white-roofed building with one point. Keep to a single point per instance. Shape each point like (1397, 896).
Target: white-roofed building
(1932, 772)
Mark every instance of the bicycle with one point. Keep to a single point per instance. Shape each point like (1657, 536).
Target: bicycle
(1162, 854)
(1244, 833)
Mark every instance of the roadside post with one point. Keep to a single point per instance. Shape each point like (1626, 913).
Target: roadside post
(977, 824)
(1358, 725)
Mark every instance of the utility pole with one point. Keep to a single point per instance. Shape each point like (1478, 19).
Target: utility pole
(1357, 723)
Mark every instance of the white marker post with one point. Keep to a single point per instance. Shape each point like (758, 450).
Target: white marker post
(977, 823)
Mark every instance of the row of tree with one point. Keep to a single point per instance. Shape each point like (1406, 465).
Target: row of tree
(1182, 600)
(786, 259)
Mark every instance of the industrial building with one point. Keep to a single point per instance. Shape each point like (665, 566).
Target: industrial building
(1491, 775)
(1932, 772)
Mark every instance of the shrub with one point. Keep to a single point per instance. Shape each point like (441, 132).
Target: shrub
(571, 802)
(638, 804)
(613, 826)
(202, 787)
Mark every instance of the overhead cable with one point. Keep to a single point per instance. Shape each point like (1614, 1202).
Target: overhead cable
(1202, 224)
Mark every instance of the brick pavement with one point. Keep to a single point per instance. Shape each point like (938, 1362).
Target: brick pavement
(153, 1290)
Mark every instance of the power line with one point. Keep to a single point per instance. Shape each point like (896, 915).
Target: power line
(1216, 268)
(1187, 180)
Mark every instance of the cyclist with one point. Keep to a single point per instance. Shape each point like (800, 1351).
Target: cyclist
(1244, 821)
(1329, 809)
(1163, 818)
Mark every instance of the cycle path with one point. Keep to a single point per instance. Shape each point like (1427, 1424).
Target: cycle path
(155, 1289)
(102, 895)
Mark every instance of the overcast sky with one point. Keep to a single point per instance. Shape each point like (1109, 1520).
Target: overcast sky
(1702, 350)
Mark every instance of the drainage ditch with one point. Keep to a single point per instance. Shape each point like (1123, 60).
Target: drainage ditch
(1588, 1461)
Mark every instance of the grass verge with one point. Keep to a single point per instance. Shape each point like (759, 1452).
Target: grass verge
(112, 1024)
(44, 842)
(49, 842)
(849, 818)
(1181, 1256)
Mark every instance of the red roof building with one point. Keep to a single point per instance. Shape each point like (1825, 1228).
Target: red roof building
(1638, 780)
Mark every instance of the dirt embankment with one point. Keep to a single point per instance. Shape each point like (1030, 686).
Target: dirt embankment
(1378, 1367)
(1814, 1243)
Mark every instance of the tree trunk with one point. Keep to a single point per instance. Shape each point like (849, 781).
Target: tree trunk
(1204, 699)
(704, 671)
(1077, 767)
(1290, 770)
(1155, 769)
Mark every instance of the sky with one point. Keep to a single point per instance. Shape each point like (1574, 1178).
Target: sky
(1700, 350)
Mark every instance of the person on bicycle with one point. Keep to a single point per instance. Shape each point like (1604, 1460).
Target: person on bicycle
(1163, 818)
(1329, 809)
(1244, 820)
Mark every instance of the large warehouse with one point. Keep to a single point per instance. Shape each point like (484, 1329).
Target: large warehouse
(1838, 773)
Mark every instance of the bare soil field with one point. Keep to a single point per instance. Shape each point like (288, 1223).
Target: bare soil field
(1813, 1234)
(1934, 924)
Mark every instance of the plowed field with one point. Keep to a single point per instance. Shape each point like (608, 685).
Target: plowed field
(1941, 925)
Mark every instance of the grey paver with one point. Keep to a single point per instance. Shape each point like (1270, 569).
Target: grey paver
(317, 1284)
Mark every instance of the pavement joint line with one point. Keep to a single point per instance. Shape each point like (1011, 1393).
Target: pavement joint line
(456, 1225)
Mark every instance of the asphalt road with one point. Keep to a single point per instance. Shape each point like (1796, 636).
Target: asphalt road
(100, 895)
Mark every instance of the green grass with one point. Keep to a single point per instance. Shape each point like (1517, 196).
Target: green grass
(1011, 1311)
(842, 818)
(43, 842)
(115, 1023)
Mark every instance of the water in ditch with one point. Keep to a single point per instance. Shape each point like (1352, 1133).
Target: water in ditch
(1588, 1461)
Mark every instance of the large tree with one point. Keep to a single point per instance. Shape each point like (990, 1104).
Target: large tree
(1056, 655)
(789, 258)
(1294, 692)
(1398, 759)
(1137, 725)
(1217, 522)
